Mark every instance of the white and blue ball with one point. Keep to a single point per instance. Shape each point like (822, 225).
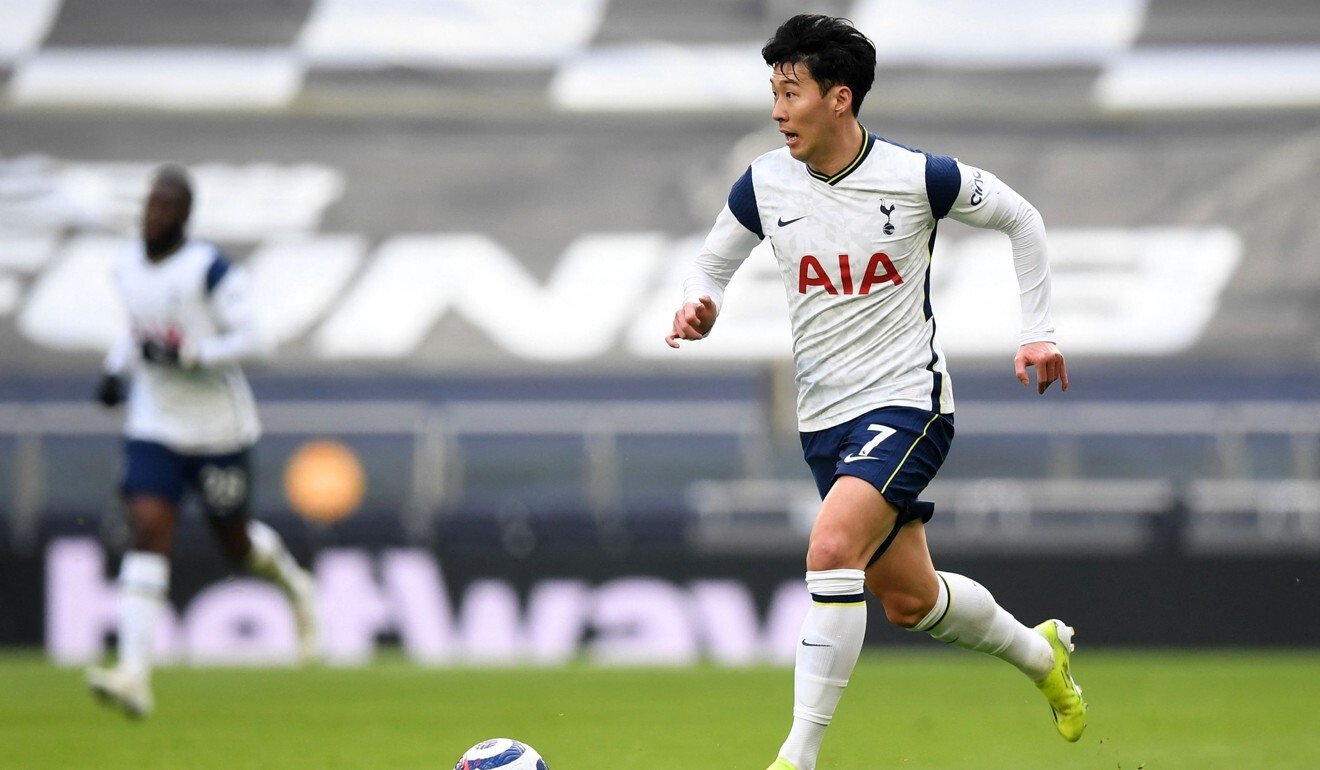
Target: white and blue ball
(501, 754)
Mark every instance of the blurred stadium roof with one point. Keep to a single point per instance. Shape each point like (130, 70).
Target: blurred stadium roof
(456, 185)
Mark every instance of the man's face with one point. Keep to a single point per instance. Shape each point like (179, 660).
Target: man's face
(803, 113)
(165, 217)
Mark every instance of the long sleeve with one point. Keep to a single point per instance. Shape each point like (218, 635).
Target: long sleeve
(725, 249)
(121, 353)
(240, 338)
(985, 202)
(737, 230)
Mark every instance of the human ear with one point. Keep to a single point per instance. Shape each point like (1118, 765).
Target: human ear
(842, 100)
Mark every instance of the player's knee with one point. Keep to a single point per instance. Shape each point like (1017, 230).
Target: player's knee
(905, 609)
(827, 552)
(151, 541)
(235, 549)
(151, 536)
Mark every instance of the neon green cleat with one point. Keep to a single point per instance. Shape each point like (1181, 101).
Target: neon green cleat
(781, 764)
(1060, 690)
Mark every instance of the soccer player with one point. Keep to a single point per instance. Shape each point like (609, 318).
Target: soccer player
(191, 425)
(851, 218)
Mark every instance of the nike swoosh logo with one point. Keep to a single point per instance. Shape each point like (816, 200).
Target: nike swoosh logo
(851, 458)
(786, 223)
(805, 643)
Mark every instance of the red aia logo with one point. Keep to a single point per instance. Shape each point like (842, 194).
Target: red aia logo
(878, 270)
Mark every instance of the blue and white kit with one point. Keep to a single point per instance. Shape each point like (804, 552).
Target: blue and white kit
(189, 425)
(854, 252)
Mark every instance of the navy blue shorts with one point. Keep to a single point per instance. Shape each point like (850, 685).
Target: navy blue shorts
(897, 449)
(222, 482)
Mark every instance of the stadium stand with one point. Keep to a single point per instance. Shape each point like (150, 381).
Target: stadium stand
(445, 183)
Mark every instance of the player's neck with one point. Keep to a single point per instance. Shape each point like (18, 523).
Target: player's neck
(841, 151)
(159, 254)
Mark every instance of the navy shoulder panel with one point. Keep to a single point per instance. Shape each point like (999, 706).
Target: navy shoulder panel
(742, 202)
(942, 183)
(216, 272)
(896, 144)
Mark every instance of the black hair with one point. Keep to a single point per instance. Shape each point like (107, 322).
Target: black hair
(835, 51)
(176, 176)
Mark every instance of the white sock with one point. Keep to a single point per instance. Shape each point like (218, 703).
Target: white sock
(826, 655)
(966, 615)
(271, 560)
(144, 578)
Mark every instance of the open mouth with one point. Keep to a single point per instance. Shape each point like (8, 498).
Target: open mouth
(790, 137)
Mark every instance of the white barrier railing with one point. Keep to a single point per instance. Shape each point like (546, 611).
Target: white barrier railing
(435, 430)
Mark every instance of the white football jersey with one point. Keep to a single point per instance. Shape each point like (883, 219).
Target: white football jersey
(196, 301)
(854, 252)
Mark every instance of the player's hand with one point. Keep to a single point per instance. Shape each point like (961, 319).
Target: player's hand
(693, 321)
(158, 352)
(1047, 360)
(111, 390)
(184, 356)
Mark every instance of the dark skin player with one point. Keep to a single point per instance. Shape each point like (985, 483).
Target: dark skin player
(152, 519)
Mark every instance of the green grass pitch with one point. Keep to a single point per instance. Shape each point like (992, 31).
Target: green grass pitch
(917, 710)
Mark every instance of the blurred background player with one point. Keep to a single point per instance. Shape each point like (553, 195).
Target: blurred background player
(852, 218)
(191, 425)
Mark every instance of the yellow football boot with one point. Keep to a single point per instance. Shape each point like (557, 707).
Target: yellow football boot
(1060, 690)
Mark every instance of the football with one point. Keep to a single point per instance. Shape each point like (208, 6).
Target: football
(501, 754)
